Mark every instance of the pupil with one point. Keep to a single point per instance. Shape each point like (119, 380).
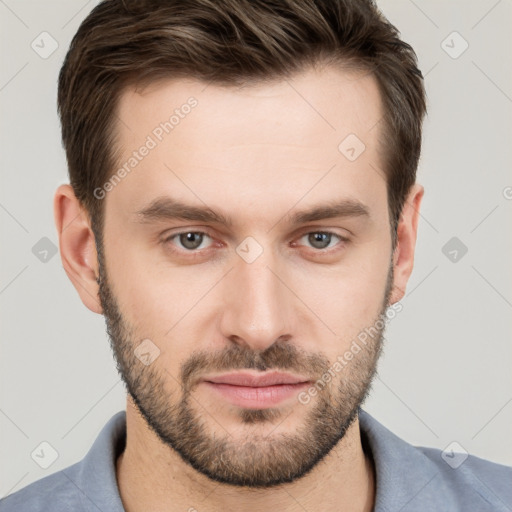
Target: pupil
(320, 240)
(191, 240)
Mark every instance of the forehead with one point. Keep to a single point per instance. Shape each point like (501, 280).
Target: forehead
(257, 144)
(308, 106)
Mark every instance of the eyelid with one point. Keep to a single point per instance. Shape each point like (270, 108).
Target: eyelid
(320, 229)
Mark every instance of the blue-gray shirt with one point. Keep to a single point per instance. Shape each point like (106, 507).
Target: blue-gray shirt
(408, 478)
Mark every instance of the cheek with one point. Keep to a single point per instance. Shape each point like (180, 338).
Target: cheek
(160, 301)
(348, 298)
(145, 301)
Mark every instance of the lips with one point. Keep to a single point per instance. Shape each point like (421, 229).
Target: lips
(257, 381)
(256, 391)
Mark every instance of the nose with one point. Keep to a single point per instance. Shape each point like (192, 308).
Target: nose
(257, 304)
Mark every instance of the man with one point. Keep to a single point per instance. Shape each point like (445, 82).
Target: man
(243, 211)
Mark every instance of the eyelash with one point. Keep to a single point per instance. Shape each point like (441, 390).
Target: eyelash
(199, 252)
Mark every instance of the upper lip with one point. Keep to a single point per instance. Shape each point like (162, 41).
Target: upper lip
(252, 380)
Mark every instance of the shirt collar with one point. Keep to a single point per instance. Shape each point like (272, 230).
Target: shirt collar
(402, 471)
(95, 478)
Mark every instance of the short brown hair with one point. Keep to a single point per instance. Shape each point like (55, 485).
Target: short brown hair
(230, 42)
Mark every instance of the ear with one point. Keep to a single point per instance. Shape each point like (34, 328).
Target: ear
(403, 255)
(77, 246)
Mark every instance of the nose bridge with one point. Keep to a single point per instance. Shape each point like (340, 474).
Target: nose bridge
(256, 307)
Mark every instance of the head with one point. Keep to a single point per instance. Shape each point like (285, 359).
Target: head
(242, 198)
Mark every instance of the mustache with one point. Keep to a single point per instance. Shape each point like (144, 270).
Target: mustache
(279, 356)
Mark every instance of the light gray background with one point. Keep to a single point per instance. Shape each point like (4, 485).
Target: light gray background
(446, 372)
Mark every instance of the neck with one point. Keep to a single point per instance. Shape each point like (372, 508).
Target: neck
(152, 476)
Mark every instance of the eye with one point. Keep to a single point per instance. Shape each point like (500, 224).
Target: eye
(321, 239)
(189, 240)
(194, 241)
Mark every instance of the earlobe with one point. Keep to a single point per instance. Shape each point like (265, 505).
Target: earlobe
(77, 246)
(403, 256)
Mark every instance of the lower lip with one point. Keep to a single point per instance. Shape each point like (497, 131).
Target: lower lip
(257, 398)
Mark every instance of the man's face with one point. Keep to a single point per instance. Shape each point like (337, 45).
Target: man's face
(268, 291)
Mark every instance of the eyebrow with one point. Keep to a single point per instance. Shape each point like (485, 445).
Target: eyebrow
(167, 208)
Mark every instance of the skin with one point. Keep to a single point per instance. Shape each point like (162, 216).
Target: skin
(256, 154)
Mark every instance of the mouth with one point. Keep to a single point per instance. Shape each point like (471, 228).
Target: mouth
(256, 391)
